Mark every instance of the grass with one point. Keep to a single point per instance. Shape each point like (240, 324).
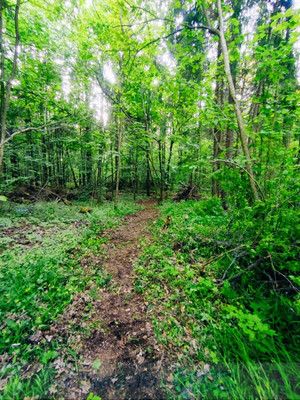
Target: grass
(38, 281)
(237, 341)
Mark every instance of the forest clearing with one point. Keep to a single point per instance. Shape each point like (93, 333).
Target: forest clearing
(149, 199)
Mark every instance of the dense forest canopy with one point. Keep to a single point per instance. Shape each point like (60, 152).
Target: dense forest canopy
(144, 95)
(194, 103)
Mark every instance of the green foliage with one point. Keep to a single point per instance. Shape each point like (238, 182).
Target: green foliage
(245, 330)
(37, 385)
(224, 273)
(91, 396)
(36, 285)
(97, 364)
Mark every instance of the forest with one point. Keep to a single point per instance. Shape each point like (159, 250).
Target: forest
(149, 199)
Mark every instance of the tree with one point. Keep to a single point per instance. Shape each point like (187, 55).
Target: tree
(237, 108)
(7, 76)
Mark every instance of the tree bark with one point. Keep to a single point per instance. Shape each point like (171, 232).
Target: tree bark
(162, 184)
(5, 94)
(169, 164)
(99, 183)
(217, 133)
(148, 176)
(135, 173)
(237, 107)
(72, 169)
(118, 160)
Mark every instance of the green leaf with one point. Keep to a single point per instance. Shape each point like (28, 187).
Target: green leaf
(289, 13)
(91, 396)
(49, 355)
(234, 22)
(97, 364)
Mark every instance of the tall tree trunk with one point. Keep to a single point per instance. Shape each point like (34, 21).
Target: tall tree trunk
(135, 169)
(217, 133)
(118, 160)
(72, 170)
(44, 156)
(169, 164)
(14, 165)
(237, 107)
(112, 178)
(99, 177)
(148, 176)
(89, 159)
(5, 94)
(162, 184)
(89, 168)
(163, 157)
(63, 165)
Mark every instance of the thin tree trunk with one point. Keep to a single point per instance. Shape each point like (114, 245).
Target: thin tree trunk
(229, 134)
(5, 95)
(135, 169)
(44, 149)
(72, 170)
(118, 161)
(112, 169)
(161, 186)
(148, 159)
(237, 107)
(63, 165)
(217, 133)
(89, 158)
(99, 177)
(163, 157)
(169, 164)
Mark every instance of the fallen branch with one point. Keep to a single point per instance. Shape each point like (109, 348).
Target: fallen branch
(232, 263)
(49, 191)
(285, 277)
(252, 266)
(222, 255)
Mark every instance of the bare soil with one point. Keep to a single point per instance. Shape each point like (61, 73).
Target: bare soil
(117, 356)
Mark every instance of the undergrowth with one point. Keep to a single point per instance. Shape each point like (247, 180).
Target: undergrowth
(38, 280)
(223, 288)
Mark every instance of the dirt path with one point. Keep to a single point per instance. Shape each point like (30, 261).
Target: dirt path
(120, 358)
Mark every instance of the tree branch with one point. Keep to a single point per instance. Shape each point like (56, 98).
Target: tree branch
(31, 128)
(252, 266)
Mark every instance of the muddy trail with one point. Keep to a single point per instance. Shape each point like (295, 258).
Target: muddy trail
(119, 357)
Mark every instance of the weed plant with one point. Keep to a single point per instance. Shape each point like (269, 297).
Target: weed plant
(232, 325)
(37, 283)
